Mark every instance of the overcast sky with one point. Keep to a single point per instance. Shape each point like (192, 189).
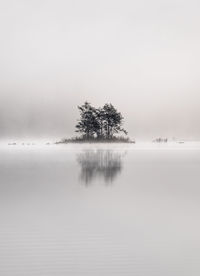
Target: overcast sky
(143, 56)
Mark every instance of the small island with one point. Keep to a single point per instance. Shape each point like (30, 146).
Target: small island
(99, 125)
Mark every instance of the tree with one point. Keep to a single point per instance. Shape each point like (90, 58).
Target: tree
(101, 123)
(87, 124)
(113, 121)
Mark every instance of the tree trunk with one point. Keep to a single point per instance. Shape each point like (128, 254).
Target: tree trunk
(108, 134)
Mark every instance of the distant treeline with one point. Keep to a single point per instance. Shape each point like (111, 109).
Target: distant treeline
(99, 123)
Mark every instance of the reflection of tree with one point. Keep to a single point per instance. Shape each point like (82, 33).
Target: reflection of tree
(99, 163)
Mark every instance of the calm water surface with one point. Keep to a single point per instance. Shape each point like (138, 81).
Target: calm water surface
(100, 210)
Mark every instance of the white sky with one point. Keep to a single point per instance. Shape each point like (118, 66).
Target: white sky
(142, 56)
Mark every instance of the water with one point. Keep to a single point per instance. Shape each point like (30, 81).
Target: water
(100, 210)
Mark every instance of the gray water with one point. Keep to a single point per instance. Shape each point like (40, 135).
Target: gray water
(100, 210)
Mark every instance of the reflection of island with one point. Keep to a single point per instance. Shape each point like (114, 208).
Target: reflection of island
(104, 164)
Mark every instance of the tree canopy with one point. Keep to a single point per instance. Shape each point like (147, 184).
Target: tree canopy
(100, 123)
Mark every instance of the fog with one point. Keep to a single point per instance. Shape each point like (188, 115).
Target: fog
(142, 56)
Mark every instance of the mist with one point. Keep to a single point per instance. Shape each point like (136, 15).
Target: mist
(141, 56)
